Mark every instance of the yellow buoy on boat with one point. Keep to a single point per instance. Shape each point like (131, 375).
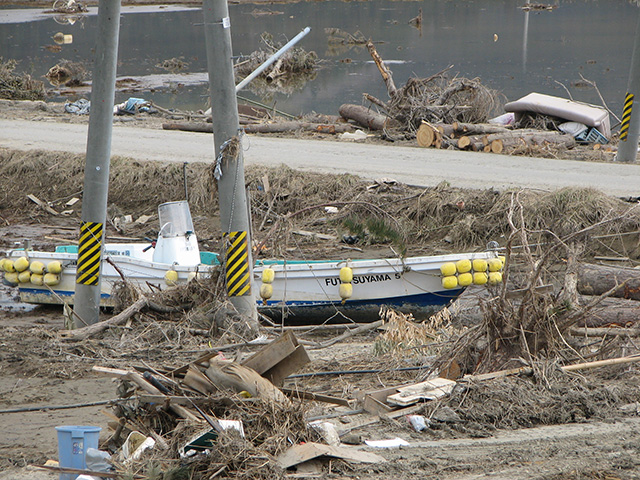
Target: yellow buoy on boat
(51, 279)
(448, 269)
(495, 278)
(495, 265)
(268, 275)
(54, 266)
(465, 279)
(21, 264)
(464, 265)
(37, 267)
(11, 277)
(480, 278)
(171, 278)
(480, 265)
(346, 291)
(346, 275)
(8, 266)
(266, 291)
(37, 279)
(24, 276)
(450, 282)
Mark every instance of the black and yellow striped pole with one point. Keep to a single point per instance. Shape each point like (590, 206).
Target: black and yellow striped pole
(630, 125)
(96, 174)
(234, 208)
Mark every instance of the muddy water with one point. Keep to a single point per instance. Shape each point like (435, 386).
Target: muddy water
(511, 50)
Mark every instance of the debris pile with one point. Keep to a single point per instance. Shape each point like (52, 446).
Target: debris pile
(289, 73)
(18, 87)
(67, 73)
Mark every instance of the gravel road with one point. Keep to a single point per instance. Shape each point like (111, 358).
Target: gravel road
(411, 165)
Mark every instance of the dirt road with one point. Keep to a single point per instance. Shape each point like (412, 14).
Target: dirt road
(414, 166)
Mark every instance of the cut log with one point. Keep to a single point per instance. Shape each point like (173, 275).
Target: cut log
(463, 142)
(445, 129)
(366, 117)
(426, 135)
(598, 279)
(610, 312)
(479, 128)
(518, 139)
(497, 146)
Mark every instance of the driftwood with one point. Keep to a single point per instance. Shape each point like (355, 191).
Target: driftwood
(90, 330)
(567, 368)
(511, 140)
(264, 127)
(617, 312)
(384, 71)
(366, 117)
(476, 128)
(604, 331)
(598, 279)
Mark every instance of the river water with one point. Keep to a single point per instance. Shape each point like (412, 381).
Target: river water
(512, 51)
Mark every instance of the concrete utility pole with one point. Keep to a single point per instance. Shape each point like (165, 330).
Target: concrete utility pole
(96, 172)
(234, 208)
(630, 127)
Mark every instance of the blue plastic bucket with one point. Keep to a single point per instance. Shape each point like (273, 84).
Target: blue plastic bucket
(73, 442)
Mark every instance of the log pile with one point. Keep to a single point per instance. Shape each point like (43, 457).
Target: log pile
(483, 137)
(615, 294)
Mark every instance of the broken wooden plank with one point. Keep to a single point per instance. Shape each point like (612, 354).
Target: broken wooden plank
(375, 406)
(42, 204)
(287, 366)
(427, 390)
(319, 236)
(308, 451)
(273, 353)
(304, 395)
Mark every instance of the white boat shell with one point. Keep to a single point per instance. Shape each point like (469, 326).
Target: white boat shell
(301, 290)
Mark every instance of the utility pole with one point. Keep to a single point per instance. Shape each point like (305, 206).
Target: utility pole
(96, 172)
(630, 126)
(234, 208)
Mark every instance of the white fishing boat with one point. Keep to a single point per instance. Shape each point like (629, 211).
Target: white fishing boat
(298, 290)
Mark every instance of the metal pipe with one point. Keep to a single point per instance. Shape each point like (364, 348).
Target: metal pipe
(272, 59)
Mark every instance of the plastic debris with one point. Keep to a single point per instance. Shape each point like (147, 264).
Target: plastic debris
(133, 106)
(79, 107)
(357, 135)
(391, 443)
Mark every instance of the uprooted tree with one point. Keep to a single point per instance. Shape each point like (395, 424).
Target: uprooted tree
(534, 324)
(436, 99)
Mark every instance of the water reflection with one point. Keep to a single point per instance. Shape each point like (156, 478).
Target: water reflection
(509, 49)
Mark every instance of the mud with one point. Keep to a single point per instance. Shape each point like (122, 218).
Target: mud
(554, 427)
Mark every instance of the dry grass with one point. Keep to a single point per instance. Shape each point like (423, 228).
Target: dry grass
(18, 87)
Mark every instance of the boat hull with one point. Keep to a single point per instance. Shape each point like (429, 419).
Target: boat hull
(303, 292)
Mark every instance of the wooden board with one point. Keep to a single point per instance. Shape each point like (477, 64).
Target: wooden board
(427, 390)
(287, 366)
(308, 451)
(270, 355)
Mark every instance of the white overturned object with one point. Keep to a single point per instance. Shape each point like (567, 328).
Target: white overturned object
(392, 443)
(357, 135)
(590, 115)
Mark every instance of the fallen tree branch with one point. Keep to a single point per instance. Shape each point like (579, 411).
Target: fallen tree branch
(347, 334)
(90, 330)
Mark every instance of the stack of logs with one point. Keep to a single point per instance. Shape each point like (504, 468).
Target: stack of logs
(487, 137)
